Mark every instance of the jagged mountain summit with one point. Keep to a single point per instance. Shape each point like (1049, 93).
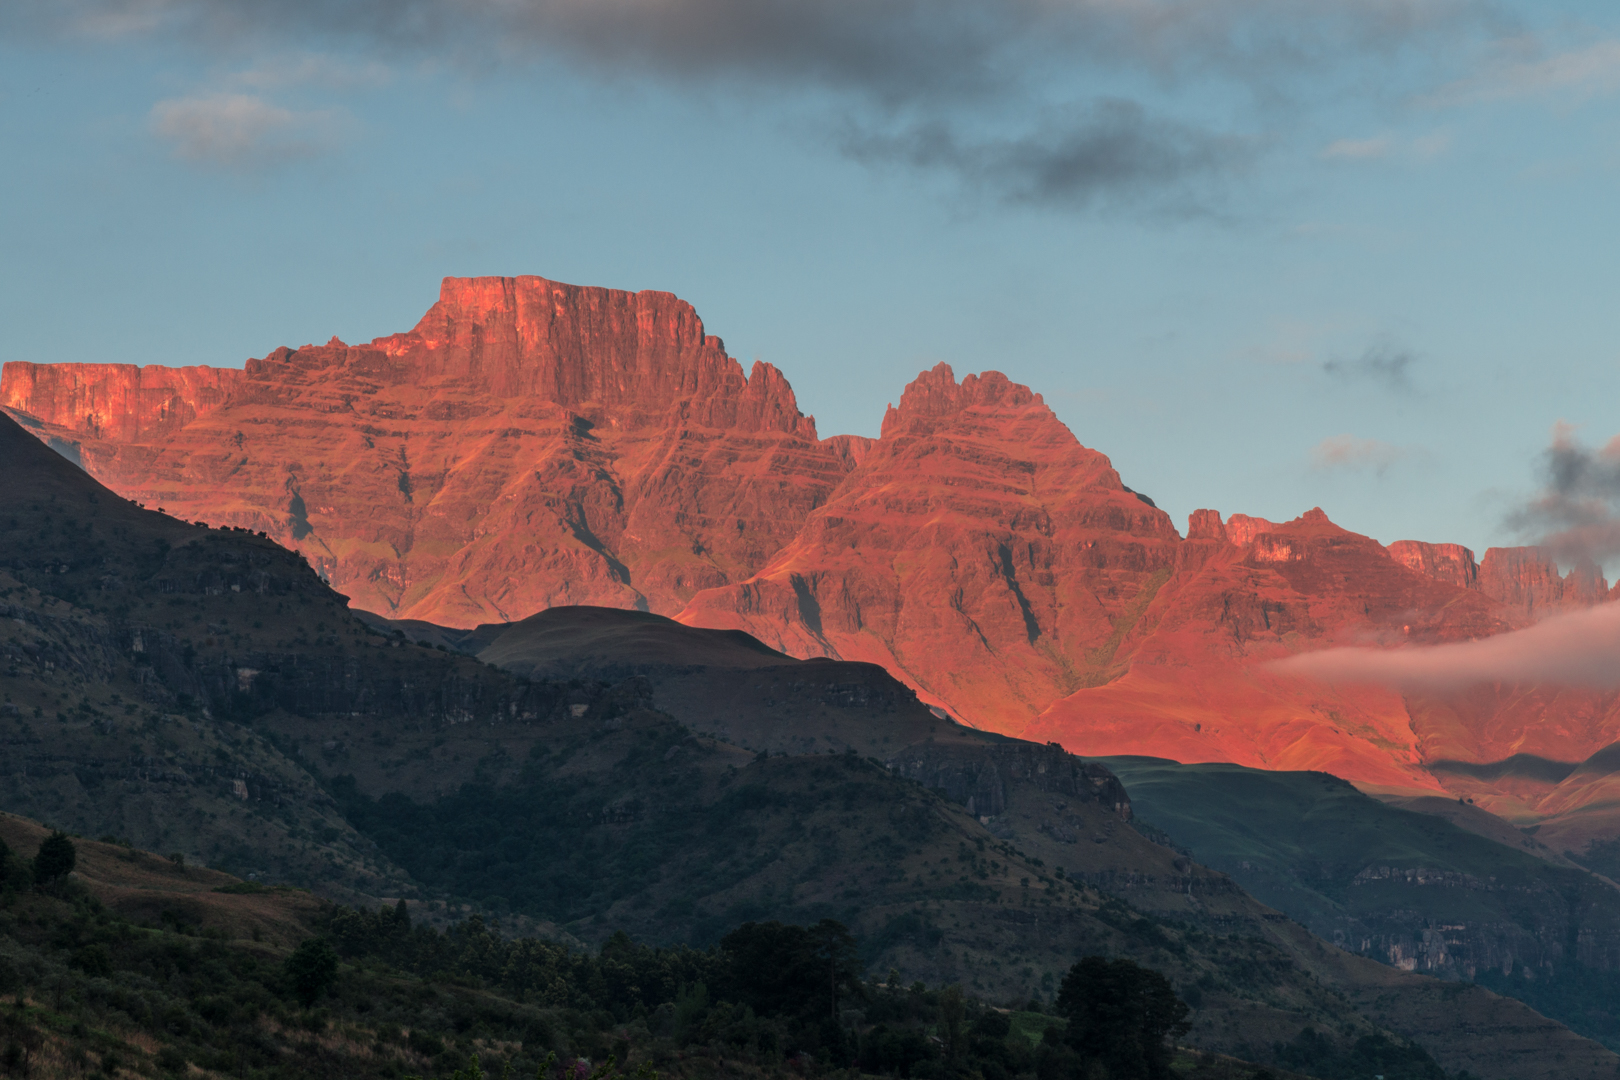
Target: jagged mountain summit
(531, 444)
(528, 444)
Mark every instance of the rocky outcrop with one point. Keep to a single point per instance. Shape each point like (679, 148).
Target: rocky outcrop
(1449, 563)
(851, 449)
(1241, 529)
(977, 776)
(1558, 924)
(1206, 525)
(1527, 579)
(636, 357)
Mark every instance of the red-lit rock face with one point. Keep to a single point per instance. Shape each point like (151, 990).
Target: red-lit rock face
(980, 551)
(529, 444)
(1450, 563)
(1525, 579)
(117, 402)
(1195, 690)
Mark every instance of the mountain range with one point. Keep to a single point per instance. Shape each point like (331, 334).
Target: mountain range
(201, 691)
(531, 444)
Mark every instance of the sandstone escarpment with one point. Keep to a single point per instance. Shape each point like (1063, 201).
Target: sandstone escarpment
(1450, 563)
(528, 444)
(118, 402)
(1527, 579)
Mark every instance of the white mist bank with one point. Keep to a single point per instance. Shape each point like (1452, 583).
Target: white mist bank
(1581, 648)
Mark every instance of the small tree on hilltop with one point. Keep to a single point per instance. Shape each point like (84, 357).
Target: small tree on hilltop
(55, 859)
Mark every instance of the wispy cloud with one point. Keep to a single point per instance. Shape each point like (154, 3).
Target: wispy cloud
(1346, 452)
(1521, 69)
(242, 132)
(1575, 649)
(1384, 363)
(1381, 147)
(1358, 149)
(1110, 150)
(1576, 514)
(322, 70)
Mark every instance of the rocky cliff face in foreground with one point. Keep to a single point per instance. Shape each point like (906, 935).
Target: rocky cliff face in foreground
(532, 444)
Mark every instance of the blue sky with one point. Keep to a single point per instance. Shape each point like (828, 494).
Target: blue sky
(1266, 254)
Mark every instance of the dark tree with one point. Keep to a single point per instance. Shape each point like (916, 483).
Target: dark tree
(783, 970)
(310, 969)
(55, 859)
(952, 1011)
(1120, 1014)
(836, 953)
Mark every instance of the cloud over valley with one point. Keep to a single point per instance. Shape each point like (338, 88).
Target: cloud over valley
(1581, 648)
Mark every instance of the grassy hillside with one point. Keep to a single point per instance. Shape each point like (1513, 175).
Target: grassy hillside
(1409, 888)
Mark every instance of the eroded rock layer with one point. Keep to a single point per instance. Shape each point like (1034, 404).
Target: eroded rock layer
(528, 444)
(532, 444)
(979, 549)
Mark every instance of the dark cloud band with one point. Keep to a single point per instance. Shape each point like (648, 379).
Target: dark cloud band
(1110, 150)
(890, 48)
(925, 77)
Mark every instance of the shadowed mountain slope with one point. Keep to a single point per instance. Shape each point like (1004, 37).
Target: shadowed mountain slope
(1415, 891)
(213, 695)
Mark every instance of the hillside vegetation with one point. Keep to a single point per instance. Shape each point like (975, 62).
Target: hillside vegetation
(359, 993)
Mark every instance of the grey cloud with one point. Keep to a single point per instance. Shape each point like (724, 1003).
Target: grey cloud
(1576, 514)
(1384, 363)
(890, 49)
(924, 76)
(1109, 150)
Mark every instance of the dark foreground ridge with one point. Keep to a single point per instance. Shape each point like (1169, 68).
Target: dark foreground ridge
(202, 692)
